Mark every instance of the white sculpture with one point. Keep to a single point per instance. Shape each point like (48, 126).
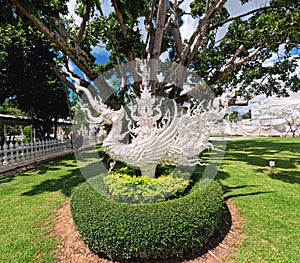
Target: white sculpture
(159, 131)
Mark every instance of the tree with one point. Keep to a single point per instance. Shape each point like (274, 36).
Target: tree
(246, 115)
(234, 115)
(291, 115)
(27, 59)
(251, 39)
(10, 107)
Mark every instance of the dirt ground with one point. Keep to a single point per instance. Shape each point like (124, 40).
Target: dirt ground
(223, 244)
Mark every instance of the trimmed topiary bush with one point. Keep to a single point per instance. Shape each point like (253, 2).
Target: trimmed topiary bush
(140, 232)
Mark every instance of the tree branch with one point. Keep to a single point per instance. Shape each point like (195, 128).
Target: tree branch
(150, 29)
(63, 79)
(207, 5)
(204, 28)
(122, 73)
(85, 18)
(120, 18)
(236, 54)
(52, 36)
(98, 5)
(180, 2)
(241, 15)
(174, 24)
(195, 40)
(233, 63)
(60, 30)
(124, 33)
(245, 59)
(160, 26)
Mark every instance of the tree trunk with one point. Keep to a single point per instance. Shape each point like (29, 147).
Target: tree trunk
(2, 136)
(55, 127)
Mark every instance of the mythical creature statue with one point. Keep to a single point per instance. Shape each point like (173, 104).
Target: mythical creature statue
(159, 130)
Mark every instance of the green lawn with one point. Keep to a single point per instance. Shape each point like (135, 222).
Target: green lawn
(268, 199)
(28, 202)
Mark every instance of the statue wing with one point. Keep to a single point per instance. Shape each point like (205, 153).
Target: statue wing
(152, 149)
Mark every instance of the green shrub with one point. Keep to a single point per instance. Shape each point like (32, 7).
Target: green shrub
(126, 187)
(144, 231)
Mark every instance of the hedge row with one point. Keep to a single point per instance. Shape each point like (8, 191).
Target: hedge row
(144, 231)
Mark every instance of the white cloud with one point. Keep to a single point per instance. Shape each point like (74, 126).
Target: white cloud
(142, 28)
(106, 7)
(164, 56)
(186, 5)
(188, 27)
(268, 63)
(235, 8)
(100, 49)
(189, 23)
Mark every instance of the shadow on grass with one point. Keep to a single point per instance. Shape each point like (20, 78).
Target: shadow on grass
(259, 152)
(4, 178)
(248, 194)
(65, 184)
(73, 176)
(227, 190)
(292, 177)
(65, 162)
(7, 178)
(40, 167)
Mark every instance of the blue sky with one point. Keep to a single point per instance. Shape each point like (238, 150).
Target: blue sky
(101, 55)
(295, 51)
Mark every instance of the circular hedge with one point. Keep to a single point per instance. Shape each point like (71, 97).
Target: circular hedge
(156, 230)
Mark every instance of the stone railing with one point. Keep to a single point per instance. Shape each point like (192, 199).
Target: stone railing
(21, 154)
(17, 155)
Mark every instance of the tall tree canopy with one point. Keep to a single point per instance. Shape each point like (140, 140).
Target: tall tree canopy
(145, 29)
(27, 60)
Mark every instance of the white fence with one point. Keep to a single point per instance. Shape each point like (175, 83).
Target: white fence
(21, 154)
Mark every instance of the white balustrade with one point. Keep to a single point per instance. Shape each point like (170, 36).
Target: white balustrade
(19, 153)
